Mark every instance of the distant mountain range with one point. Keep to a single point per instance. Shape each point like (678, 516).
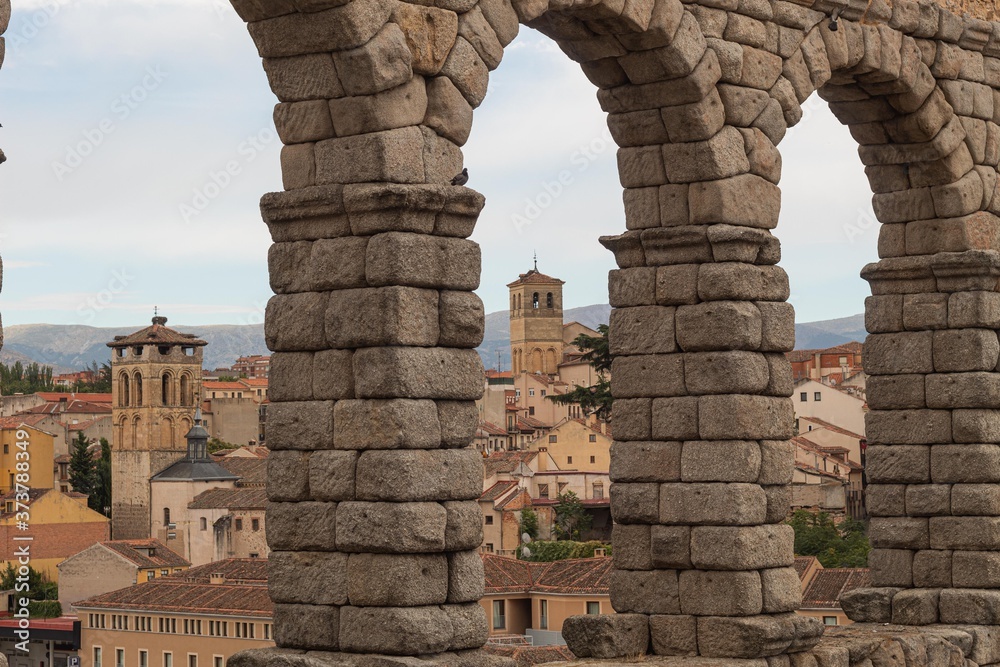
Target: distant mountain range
(71, 347)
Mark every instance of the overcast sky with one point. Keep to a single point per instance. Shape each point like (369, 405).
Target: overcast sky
(117, 113)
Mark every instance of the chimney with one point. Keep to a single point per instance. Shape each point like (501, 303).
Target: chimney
(217, 578)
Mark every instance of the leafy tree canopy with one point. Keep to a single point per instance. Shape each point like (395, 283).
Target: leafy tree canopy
(835, 545)
(595, 399)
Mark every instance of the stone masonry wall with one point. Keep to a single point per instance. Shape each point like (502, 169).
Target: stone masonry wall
(373, 522)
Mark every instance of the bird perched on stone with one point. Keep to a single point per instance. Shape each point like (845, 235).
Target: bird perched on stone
(462, 178)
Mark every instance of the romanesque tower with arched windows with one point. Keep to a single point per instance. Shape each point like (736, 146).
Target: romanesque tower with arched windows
(536, 323)
(156, 387)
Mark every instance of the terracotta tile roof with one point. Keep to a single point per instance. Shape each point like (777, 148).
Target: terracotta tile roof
(244, 498)
(84, 425)
(245, 570)
(575, 576)
(497, 491)
(515, 501)
(489, 428)
(831, 427)
(531, 424)
(802, 565)
(146, 553)
(579, 575)
(796, 356)
(534, 277)
(256, 383)
(56, 396)
(180, 597)
(506, 462)
(60, 407)
(827, 585)
(158, 334)
(223, 386)
(528, 656)
(506, 575)
(251, 470)
(24, 419)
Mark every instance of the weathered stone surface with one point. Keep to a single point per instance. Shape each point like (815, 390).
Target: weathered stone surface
(304, 425)
(439, 373)
(642, 330)
(288, 476)
(466, 577)
(712, 504)
(307, 526)
(307, 577)
(644, 592)
(606, 636)
(395, 630)
(372, 317)
(386, 424)
(742, 548)
(670, 546)
(720, 461)
(645, 461)
(674, 635)
(414, 475)
(382, 63)
(307, 626)
(869, 605)
(737, 372)
(392, 528)
(430, 33)
(720, 593)
(330, 475)
(393, 580)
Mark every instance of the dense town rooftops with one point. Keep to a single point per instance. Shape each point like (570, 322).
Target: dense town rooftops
(249, 498)
(251, 470)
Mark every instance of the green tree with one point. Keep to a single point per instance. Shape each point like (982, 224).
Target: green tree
(546, 551)
(82, 469)
(571, 519)
(216, 445)
(39, 586)
(100, 496)
(595, 399)
(835, 545)
(529, 522)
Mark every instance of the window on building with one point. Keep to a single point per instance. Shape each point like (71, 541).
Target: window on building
(593, 608)
(569, 459)
(843, 362)
(218, 661)
(120, 657)
(543, 615)
(239, 524)
(267, 631)
(192, 660)
(829, 620)
(255, 524)
(499, 617)
(543, 393)
(97, 656)
(489, 520)
(817, 396)
(166, 516)
(543, 490)
(553, 438)
(151, 575)
(254, 554)
(489, 547)
(531, 411)
(548, 300)
(593, 459)
(204, 523)
(531, 391)
(534, 300)
(803, 397)
(593, 437)
(143, 658)
(168, 659)
(6, 449)
(598, 491)
(187, 626)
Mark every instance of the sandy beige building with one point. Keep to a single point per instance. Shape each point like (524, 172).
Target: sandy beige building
(577, 444)
(197, 618)
(112, 565)
(534, 599)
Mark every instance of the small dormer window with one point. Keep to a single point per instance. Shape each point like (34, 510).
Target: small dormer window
(137, 350)
(164, 350)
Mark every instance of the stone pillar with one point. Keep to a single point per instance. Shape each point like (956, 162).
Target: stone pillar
(374, 523)
(933, 460)
(701, 462)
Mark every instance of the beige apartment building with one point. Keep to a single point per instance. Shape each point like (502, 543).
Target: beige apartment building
(197, 618)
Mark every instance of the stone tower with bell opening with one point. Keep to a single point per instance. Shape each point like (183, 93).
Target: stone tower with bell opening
(536, 323)
(156, 388)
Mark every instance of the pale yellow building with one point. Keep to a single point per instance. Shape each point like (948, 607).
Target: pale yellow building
(27, 450)
(197, 618)
(575, 444)
(59, 525)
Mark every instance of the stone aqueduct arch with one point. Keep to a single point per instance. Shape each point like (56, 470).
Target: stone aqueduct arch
(375, 526)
